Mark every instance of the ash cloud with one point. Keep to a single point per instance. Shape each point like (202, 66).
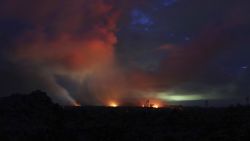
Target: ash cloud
(71, 39)
(69, 48)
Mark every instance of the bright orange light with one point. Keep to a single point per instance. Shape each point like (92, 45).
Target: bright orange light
(113, 104)
(155, 106)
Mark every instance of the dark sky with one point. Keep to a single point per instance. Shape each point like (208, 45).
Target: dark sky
(97, 52)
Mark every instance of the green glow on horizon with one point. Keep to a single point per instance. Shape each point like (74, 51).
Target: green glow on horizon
(172, 96)
(182, 97)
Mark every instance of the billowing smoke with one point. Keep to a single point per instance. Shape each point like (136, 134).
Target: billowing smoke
(68, 49)
(73, 40)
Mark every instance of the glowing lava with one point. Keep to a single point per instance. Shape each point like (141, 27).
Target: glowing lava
(155, 106)
(113, 104)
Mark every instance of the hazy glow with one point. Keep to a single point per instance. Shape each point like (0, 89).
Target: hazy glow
(156, 106)
(170, 96)
(184, 97)
(85, 56)
(113, 104)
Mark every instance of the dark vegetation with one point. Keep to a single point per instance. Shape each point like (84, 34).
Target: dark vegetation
(35, 117)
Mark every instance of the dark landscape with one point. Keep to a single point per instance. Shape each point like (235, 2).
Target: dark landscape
(35, 117)
(125, 70)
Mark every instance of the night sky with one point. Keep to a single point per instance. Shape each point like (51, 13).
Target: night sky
(95, 52)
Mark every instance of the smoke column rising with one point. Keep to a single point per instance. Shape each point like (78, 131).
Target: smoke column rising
(74, 42)
(71, 39)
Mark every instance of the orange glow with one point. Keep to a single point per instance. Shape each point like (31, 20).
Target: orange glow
(156, 106)
(113, 104)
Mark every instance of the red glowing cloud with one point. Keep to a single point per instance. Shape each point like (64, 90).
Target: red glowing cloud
(74, 39)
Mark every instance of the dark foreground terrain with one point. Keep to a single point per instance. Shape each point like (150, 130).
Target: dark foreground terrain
(34, 117)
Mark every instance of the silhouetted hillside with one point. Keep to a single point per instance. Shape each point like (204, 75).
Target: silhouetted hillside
(36, 99)
(36, 117)
(27, 116)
